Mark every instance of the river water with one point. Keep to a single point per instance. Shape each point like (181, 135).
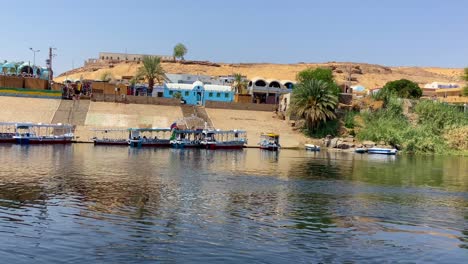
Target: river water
(81, 203)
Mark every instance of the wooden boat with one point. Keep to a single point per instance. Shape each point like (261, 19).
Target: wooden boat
(186, 138)
(32, 133)
(384, 151)
(312, 147)
(269, 141)
(223, 139)
(113, 137)
(360, 150)
(149, 137)
(7, 131)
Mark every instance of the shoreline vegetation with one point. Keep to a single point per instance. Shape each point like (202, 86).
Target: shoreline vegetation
(395, 117)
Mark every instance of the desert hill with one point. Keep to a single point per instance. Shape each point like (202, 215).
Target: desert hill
(367, 75)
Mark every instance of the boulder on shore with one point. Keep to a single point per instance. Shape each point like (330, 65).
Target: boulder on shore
(368, 144)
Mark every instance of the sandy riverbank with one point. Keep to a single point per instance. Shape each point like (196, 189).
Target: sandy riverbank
(117, 115)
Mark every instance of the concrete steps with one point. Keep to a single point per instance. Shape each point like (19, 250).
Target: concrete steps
(197, 111)
(72, 112)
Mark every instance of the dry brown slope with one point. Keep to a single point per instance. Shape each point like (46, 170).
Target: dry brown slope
(372, 75)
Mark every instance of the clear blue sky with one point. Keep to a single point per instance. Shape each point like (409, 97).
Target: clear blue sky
(393, 32)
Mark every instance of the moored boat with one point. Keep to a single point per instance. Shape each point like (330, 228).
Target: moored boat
(149, 137)
(269, 141)
(7, 131)
(223, 139)
(32, 133)
(312, 147)
(186, 138)
(384, 151)
(360, 150)
(113, 137)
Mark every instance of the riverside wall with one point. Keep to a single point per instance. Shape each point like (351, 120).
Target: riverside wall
(125, 115)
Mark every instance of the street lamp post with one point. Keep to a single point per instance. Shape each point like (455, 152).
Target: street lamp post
(34, 60)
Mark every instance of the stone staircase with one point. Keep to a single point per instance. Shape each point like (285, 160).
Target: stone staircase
(201, 113)
(72, 112)
(189, 112)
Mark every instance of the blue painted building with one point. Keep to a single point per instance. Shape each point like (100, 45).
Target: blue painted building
(198, 93)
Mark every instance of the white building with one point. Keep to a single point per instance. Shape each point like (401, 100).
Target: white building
(440, 85)
(111, 56)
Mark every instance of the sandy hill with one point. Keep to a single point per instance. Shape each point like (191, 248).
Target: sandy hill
(368, 75)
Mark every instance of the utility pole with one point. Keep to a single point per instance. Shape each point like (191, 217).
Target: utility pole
(49, 64)
(34, 60)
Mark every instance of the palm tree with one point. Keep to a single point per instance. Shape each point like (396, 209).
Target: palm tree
(314, 101)
(151, 71)
(239, 83)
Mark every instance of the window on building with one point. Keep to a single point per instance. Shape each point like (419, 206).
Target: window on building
(210, 95)
(218, 94)
(171, 92)
(102, 57)
(111, 58)
(226, 95)
(186, 93)
(118, 58)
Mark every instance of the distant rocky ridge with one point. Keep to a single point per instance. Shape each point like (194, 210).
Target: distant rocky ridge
(367, 75)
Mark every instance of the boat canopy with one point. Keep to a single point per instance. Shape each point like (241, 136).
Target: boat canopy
(154, 129)
(28, 125)
(110, 129)
(225, 131)
(272, 135)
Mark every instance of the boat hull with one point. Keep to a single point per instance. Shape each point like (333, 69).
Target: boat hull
(7, 140)
(270, 148)
(111, 143)
(382, 151)
(223, 146)
(311, 147)
(156, 144)
(29, 141)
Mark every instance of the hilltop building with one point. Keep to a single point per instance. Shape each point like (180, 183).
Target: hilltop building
(114, 57)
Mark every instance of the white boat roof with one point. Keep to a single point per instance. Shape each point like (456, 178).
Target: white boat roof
(109, 129)
(44, 125)
(225, 131)
(207, 87)
(154, 129)
(7, 123)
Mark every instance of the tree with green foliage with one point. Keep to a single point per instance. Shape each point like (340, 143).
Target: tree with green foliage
(106, 77)
(177, 95)
(321, 74)
(465, 78)
(240, 84)
(152, 71)
(314, 101)
(179, 51)
(402, 88)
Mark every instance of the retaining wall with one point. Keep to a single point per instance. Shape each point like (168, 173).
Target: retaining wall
(241, 106)
(23, 92)
(130, 99)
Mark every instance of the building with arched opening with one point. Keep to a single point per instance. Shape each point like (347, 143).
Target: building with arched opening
(268, 91)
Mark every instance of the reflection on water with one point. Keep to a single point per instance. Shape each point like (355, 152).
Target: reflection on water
(110, 204)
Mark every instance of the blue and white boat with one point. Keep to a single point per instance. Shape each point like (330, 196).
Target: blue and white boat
(312, 147)
(384, 151)
(360, 150)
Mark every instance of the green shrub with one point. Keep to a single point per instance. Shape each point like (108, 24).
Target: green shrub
(330, 127)
(349, 119)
